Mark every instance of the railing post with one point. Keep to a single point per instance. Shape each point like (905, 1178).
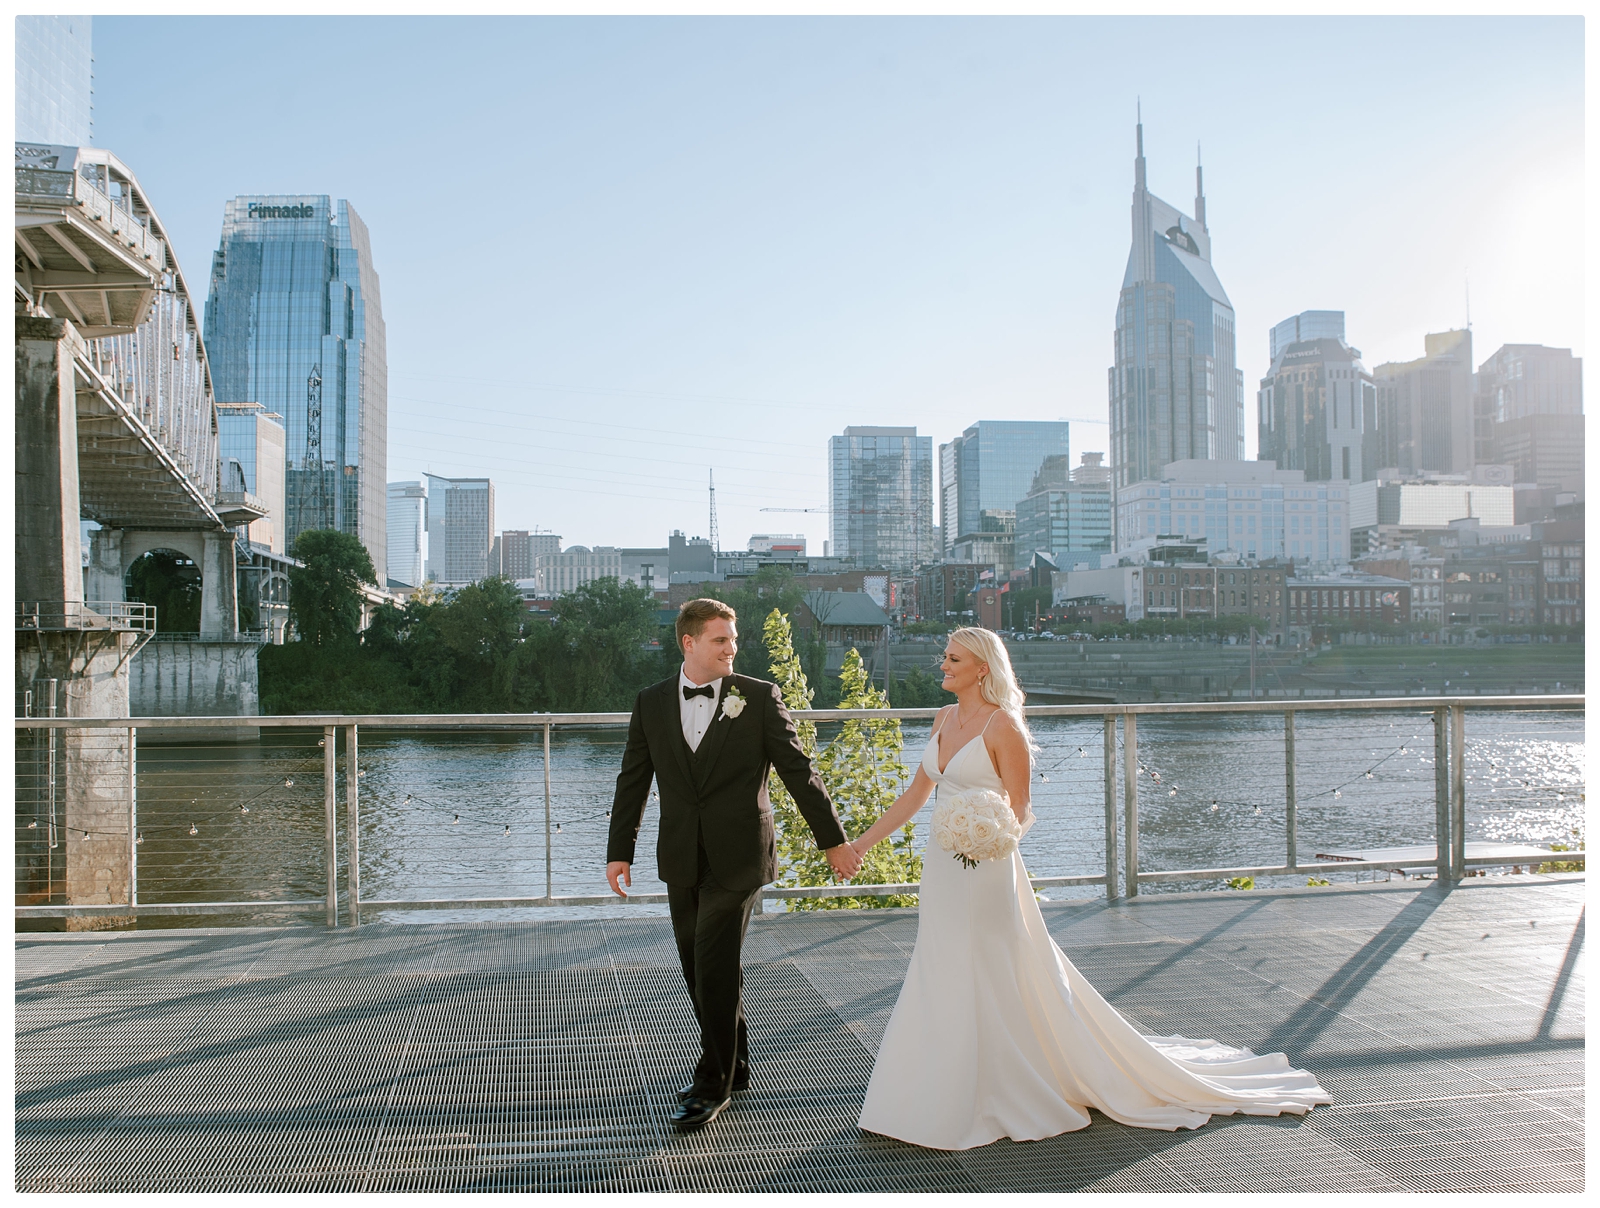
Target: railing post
(352, 824)
(549, 891)
(133, 819)
(1291, 836)
(330, 775)
(1458, 792)
(1441, 793)
(1130, 804)
(1110, 745)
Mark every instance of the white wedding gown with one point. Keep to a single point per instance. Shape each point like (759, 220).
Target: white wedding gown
(995, 1034)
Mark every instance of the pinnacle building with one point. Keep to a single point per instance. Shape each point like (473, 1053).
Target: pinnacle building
(1175, 390)
(294, 323)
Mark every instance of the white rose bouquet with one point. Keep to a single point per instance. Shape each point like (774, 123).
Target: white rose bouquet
(976, 826)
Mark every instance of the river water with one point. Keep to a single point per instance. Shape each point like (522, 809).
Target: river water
(457, 815)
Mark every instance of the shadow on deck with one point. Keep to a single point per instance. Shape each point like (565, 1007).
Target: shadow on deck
(1448, 1024)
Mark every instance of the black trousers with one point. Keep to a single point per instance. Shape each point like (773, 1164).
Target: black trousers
(709, 924)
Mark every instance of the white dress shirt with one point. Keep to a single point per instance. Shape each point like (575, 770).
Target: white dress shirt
(697, 712)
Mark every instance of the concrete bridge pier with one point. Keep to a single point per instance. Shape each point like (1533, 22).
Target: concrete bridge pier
(71, 660)
(209, 674)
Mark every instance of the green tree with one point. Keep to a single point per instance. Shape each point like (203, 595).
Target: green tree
(861, 770)
(604, 642)
(484, 628)
(918, 689)
(325, 591)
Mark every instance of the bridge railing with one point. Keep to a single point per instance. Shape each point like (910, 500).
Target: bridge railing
(36, 186)
(199, 786)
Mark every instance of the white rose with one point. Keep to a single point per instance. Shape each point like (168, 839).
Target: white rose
(733, 705)
(984, 831)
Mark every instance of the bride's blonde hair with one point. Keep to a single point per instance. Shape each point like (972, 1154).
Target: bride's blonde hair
(1000, 686)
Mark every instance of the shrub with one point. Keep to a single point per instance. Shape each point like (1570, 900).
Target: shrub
(862, 772)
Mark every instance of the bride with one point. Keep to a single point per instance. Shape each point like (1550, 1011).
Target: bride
(995, 1033)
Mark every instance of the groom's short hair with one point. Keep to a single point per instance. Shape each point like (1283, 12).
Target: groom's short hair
(693, 615)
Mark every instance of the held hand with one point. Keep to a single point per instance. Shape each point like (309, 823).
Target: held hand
(619, 870)
(846, 861)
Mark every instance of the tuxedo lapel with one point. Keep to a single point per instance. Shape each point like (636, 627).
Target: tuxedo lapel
(672, 717)
(711, 745)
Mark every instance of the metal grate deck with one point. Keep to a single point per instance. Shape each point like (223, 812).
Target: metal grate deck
(1448, 1024)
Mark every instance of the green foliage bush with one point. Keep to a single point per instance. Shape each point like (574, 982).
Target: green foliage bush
(918, 689)
(1241, 883)
(863, 774)
(1566, 865)
(481, 651)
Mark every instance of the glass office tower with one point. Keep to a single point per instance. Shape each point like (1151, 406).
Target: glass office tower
(294, 322)
(55, 80)
(990, 468)
(460, 529)
(408, 533)
(880, 491)
(1177, 393)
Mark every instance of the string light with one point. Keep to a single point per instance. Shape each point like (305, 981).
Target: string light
(1337, 794)
(193, 829)
(558, 828)
(33, 826)
(138, 838)
(1214, 807)
(244, 809)
(456, 821)
(86, 836)
(508, 831)
(289, 783)
(1172, 792)
(1258, 811)
(322, 742)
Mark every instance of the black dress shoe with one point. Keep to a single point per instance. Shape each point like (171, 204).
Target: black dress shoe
(695, 1112)
(741, 1082)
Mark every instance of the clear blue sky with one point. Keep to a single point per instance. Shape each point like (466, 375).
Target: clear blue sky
(616, 252)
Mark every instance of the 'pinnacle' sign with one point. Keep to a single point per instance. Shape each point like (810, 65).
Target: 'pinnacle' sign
(261, 211)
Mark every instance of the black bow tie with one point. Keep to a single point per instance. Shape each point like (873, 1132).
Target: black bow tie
(705, 690)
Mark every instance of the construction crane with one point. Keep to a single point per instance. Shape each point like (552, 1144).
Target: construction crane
(850, 512)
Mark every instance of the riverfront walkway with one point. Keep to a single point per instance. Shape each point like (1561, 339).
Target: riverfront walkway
(1448, 1025)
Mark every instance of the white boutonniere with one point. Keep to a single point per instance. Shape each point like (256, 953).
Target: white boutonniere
(733, 704)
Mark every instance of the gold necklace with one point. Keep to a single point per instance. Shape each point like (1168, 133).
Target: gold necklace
(962, 724)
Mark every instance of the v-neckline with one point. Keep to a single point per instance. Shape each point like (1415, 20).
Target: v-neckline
(945, 770)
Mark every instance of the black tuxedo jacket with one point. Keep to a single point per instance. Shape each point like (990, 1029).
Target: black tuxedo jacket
(716, 796)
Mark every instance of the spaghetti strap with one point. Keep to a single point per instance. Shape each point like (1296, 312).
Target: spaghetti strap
(992, 716)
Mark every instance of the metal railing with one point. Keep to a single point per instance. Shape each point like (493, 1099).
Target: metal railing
(91, 614)
(1122, 870)
(37, 185)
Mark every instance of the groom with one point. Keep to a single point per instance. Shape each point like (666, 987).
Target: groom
(708, 737)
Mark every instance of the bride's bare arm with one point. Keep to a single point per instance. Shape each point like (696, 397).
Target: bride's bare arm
(1009, 752)
(898, 814)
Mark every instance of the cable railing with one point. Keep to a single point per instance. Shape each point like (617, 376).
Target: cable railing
(341, 816)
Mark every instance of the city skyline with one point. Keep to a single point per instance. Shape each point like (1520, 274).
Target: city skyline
(926, 223)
